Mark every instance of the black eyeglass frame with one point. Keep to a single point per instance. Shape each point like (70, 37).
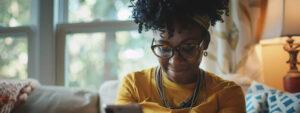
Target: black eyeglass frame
(177, 48)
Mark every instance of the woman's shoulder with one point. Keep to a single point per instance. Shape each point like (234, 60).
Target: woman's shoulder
(141, 74)
(217, 83)
(223, 91)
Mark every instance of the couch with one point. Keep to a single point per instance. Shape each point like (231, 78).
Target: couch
(58, 99)
(55, 99)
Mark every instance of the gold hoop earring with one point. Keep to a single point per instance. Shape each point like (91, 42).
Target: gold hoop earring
(205, 53)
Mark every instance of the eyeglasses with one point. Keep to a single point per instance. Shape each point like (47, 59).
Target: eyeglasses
(186, 50)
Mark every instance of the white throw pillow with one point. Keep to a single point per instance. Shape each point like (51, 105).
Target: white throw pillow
(54, 99)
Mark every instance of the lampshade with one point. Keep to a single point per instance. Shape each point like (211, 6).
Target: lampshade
(282, 19)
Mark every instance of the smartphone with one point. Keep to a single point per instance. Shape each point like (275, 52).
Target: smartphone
(127, 108)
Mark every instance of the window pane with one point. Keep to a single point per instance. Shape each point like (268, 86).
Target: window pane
(13, 57)
(85, 59)
(95, 57)
(134, 52)
(98, 10)
(14, 12)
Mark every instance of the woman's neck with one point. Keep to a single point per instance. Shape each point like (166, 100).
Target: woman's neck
(190, 78)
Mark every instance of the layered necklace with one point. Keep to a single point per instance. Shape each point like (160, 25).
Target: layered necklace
(192, 100)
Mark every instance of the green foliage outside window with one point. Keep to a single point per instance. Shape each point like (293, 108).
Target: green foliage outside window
(91, 58)
(85, 59)
(113, 54)
(95, 57)
(14, 12)
(98, 10)
(13, 50)
(13, 57)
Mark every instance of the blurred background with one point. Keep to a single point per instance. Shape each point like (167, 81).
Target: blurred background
(90, 56)
(82, 43)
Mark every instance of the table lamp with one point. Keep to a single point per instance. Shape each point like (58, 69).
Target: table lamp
(283, 20)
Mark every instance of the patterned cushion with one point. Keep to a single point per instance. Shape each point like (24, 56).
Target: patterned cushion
(263, 99)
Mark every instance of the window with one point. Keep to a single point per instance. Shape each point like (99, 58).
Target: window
(14, 38)
(92, 58)
(13, 57)
(75, 43)
(99, 42)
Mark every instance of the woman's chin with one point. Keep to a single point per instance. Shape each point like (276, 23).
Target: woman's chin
(181, 77)
(177, 75)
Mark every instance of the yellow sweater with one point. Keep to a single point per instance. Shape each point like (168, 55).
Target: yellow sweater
(222, 96)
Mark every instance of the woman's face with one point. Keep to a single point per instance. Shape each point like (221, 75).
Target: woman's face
(181, 68)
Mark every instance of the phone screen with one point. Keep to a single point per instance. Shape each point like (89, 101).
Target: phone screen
(128, 108)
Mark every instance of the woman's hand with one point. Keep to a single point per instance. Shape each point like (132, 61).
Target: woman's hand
(14, 92)
(23, 95)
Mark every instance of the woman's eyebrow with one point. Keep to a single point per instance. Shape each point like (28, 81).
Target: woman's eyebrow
(190, 40)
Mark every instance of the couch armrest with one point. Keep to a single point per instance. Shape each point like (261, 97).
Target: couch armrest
(108, 92)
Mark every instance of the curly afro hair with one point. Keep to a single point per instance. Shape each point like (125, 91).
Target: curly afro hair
(160, 14)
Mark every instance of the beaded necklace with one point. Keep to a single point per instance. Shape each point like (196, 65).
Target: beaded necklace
(191, 102)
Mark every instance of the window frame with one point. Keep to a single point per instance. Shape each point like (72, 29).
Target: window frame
(29, 33)
(84, 27)
(47, 33)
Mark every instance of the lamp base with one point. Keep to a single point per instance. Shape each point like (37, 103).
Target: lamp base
(292, 81)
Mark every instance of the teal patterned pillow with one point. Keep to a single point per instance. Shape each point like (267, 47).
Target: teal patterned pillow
(263, 99)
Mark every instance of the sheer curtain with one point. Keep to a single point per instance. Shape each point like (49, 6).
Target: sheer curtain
(232, 53)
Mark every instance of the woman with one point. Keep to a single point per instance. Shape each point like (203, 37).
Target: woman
(181, 37)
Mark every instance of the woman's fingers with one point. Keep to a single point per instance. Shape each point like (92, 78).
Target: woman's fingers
(27, 89)
(25, 92)
(23, 96)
